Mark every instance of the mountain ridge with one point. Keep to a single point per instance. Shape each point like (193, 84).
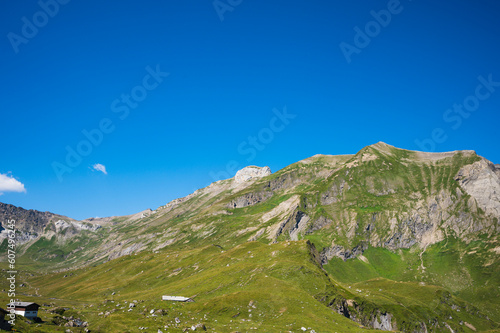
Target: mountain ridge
(379, 144)
(330, 164)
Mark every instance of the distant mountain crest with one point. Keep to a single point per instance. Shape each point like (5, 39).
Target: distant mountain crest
(382, 196)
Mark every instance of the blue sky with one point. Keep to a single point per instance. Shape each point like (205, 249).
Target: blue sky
(175, 94)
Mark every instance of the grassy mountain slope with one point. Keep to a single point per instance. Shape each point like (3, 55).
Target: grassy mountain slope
(270, 288)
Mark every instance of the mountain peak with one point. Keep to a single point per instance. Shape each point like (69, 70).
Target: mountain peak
(381, 144)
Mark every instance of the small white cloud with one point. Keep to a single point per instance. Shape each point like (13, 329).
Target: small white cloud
(100, 167)
(10, 184)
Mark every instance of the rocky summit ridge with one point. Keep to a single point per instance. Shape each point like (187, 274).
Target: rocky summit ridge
(399, 197)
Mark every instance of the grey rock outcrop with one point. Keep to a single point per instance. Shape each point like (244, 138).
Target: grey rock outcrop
(331, 196)
(351, 309)
(250, 199)
(341, 252)
(482, 182)
(251, 172)
(318, 224)
(296, 224)
(385, 323)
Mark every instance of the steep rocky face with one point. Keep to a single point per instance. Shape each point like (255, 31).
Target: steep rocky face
(481, 181)
(293, 226)
(250, 199)
(339, 251)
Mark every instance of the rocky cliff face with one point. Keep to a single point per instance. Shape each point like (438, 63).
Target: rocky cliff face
(481, 180)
